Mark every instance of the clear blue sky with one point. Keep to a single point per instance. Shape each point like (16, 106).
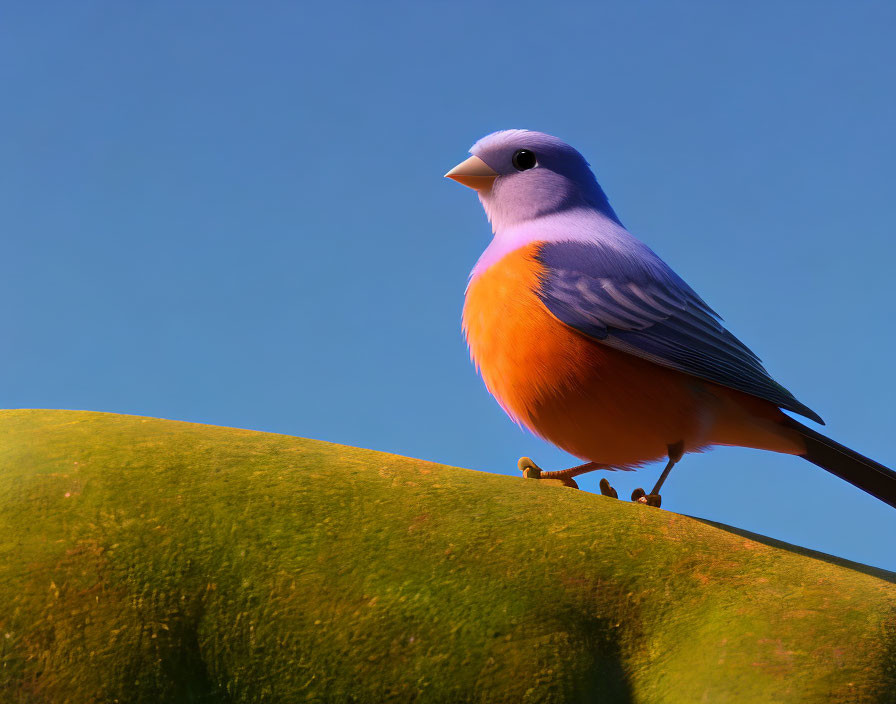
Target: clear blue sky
(234, 213)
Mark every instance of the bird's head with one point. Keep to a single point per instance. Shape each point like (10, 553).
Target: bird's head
(521, 175)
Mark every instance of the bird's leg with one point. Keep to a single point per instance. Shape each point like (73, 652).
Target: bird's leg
(653, 498)
(531, 470)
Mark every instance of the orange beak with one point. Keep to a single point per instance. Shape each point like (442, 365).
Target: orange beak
(473, 173)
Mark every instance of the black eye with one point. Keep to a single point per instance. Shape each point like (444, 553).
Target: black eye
(523, 159)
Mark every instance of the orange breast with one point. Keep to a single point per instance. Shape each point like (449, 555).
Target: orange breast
(591, 400)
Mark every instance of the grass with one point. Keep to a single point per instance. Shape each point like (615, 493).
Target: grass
(146, 560)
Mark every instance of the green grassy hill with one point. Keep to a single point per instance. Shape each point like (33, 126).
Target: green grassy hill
(146, 560)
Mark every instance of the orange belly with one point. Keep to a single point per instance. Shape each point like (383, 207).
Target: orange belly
(595, 402)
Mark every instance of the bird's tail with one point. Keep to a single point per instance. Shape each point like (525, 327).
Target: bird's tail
(858, 470)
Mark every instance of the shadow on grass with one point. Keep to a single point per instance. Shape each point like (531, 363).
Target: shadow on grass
(606, 680)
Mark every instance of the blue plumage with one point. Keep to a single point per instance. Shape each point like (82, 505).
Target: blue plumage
(638, 305)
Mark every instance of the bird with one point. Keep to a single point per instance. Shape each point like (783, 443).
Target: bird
(588, 338)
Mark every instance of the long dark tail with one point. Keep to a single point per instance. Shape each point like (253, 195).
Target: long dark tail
(865, 473)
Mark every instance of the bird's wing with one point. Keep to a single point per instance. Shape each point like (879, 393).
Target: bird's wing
(634, 302)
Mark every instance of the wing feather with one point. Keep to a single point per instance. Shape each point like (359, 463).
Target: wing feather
(640, 306)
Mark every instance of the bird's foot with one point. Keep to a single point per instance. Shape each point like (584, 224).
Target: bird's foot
(531, 470)
(641, 497)
(607, 490)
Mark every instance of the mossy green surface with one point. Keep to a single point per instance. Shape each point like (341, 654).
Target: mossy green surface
(146, 560)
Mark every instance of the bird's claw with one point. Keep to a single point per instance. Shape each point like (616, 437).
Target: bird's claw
(642, 497)
(607, 490)
(529, 469)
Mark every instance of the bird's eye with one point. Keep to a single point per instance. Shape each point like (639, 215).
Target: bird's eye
(523, 159)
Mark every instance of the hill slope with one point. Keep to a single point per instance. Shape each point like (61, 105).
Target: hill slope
(146, 560)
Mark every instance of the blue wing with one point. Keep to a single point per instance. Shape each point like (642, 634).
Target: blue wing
(634, 302)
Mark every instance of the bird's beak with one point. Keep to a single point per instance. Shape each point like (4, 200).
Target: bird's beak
(474, 173)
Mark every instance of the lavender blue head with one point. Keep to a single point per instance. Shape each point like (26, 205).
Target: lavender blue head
(521, 175)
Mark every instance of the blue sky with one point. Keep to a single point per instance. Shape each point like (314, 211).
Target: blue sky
(234, 213)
